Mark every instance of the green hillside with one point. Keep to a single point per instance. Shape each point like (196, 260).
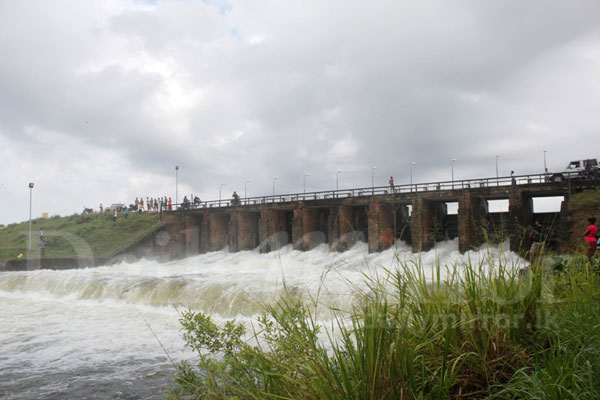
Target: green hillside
(92, 235)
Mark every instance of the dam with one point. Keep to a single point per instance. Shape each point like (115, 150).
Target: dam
(416, 213)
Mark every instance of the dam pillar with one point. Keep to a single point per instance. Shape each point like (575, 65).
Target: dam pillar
(346, 227)
(191, 233)
(307, 227)
(520, 214)
(381, 226)
(333, 229)
(263, 231)
(297, 229)
(232, 232)
(218, 231)
(247, 230)
(205, 233)
(422, 224)
(273, 230)
(243, 231)
(472, 222)
(402, 223)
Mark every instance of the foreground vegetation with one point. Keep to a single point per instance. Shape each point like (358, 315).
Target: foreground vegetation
(90, 235)
(475, 332)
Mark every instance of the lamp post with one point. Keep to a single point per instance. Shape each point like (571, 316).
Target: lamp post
(337, 186)
(411, 182)
(274, 179)
(30, 195)
(304, 182)
(176, 184)
(373, 180)
(246, 188)
(453, 161)
(545, 169)
(497, 181)
(220, 186)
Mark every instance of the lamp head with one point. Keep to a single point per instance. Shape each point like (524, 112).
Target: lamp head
(31, 185)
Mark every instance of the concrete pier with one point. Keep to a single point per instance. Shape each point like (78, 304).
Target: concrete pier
(473, 222)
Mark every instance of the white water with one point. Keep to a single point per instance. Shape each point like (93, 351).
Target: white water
(94, 333)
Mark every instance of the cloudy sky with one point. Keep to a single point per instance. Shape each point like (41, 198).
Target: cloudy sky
(99, 100)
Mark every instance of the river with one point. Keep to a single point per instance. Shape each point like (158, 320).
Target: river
(113, 332)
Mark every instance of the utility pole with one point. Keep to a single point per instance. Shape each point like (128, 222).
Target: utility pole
(453, 160)
(246, 188)
(373, 181)
(176, 185)
(30, 196)
(304, 183)
(497, 181)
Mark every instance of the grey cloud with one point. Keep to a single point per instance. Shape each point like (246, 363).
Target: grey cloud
(253, 90)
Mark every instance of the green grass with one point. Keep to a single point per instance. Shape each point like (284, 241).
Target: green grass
(474, 334)
(92, 235)
(585, 199)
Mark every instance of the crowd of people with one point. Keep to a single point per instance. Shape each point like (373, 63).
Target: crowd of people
(150, 204)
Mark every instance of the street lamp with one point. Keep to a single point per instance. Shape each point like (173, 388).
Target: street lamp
(337, 186)
(545, 169)
(220, 186)
(245, 188)
(453, 161)
(274, 179)
(373, 181)
(30, 194)
(497, 182)
(411, 182)
(304, 183)
(176, 183)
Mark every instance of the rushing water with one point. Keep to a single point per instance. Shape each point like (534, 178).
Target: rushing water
(111, 332)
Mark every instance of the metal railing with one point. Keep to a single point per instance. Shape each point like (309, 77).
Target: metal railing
(464, 184)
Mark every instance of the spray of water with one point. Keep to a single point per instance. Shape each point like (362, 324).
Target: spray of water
(76, 327)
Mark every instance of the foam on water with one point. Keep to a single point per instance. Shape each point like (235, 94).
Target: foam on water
(67, 332)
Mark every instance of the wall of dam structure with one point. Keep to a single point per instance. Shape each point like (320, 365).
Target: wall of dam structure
(418, 218)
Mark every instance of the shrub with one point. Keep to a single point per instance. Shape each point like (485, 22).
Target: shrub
(467, 331)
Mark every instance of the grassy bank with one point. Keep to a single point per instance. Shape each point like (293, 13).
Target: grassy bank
(583, 205)
(415, 335)
(91, 235)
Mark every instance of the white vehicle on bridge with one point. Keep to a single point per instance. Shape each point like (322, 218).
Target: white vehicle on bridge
(579, 169)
